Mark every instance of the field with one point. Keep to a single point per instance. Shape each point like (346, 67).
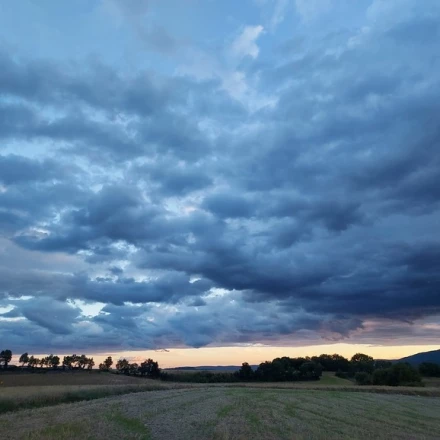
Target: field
(46, 378)
(432, 382)
(155, 410)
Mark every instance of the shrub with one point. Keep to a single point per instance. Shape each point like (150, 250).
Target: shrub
(381, 377)
(397, 375)
(429, 369)
(363, 378)
(343, 374)
(310, 371)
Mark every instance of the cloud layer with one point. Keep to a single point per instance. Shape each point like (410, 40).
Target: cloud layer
(159, 209)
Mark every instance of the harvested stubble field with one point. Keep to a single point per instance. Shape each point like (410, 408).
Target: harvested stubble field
(51, 378)
(21, 391)
(268, 411)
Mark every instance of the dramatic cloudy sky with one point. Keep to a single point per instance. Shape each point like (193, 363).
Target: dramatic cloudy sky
(200, 173)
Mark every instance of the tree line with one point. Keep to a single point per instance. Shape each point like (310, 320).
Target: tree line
(361, 368)
(148, 368)
(278, 370)
(74, 361)
(367, 371)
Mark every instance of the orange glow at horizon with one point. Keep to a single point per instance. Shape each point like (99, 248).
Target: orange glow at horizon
(191, 357)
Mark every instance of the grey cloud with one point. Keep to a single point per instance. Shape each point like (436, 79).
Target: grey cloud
(155, 125)
(171, 180)
(168, 288)
(225, 205)
(18, 169)
(115, 270)
(55, 316)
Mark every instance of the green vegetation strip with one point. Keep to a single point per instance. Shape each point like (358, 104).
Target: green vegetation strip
(38, 401)
(130, 424)
(406, 391)
(59, 431)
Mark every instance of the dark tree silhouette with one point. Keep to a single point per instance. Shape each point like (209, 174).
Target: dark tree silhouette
(332, 362)
(149, 368)
(90, 364)
(5, 357)
(33, 362)
(363, 368)
(24, 359)
(105, 366)
(429, 369)
(108, 362)
(68, 362)
(54, 361)
(123, 366)
(398, 374)
(362, 363)
(288, 369)
(133, 369)
(245, 372)
(363, 378)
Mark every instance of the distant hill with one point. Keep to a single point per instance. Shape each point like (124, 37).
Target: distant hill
(229, 368)
(427, 356)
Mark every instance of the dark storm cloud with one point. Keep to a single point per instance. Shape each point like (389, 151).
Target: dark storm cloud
(54, 316)
(170, 288)
(200, 222)
(104, 215)
(167, 288)
(28, 204)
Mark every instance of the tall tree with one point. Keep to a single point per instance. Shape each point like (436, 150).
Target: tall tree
(245, 372)
(133, 369)
(105, 366)
(362, 363)
(123, 366)
(33, 362)
(5, 357)
(68, 362)
(24, 359)
(54, 361)
(82, 361)
(149, 368)
(108, 362)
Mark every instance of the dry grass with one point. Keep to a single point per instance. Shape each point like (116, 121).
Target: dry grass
(316, 386)
(433, 382)
(14, 399)
(231, 413)
(51, 378)
(92, 386)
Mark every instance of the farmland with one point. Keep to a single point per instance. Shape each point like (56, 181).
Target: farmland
(154, 410)
(50, 378)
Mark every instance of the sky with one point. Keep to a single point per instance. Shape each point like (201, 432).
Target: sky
(212, 182)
